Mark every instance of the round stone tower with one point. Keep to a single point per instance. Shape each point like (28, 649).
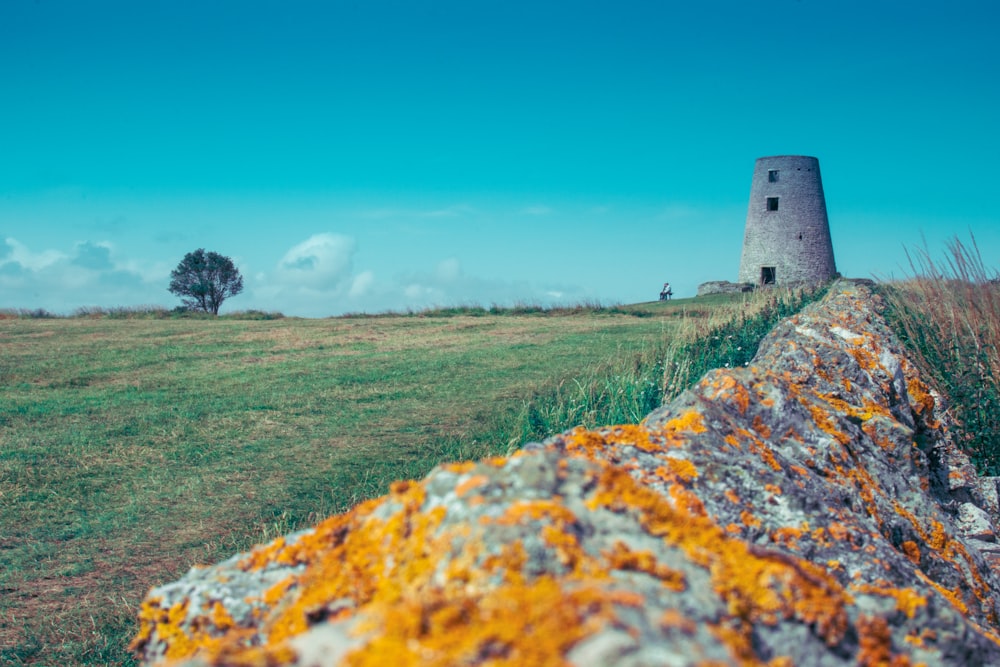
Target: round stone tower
(787, 238)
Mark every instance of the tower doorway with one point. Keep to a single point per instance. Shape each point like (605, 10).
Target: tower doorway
(767, 275)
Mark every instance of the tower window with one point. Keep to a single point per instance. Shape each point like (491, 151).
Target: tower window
(767, 275)
(772, 175)
(772, 203)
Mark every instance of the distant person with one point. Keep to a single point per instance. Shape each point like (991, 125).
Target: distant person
(666, 292)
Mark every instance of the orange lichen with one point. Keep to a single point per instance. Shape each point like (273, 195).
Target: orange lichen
(760, 427)
(948, 595)
(675, 468)
(621, 557)
(471, 483)
(204, 634)
(730, 390)
(758, 585)
(875, 644)
(823, 420)
(460, 468)
(354, 568)
(749, 519)
(907, 599)
(865, 358)
(787, 536)
(921, 399)
(672, 618)
(762, 449)
(519, 623)
(691, 421)
(541, 508)
(584, 442)
(773, 489)
(634, 435)
(912, 551)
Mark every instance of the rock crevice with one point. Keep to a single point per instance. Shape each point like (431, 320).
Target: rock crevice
(808, 509)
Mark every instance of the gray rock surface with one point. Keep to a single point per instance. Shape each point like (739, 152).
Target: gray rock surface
(723, 287)
(809, 509)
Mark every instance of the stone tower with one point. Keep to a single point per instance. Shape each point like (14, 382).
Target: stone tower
(787, 238)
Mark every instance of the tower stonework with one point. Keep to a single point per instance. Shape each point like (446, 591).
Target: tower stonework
(787, 237)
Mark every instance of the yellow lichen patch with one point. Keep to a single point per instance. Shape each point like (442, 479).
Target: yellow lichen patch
(686, 500)
(690, 422)
(773, 489)
(568, 550)
(675, 468)
(534, 510)
(355, 568)
(788, 536)
(460, 468)
(276, 655)
(921, 399)
(761, 449)
(516, 623)
(824, 422)
(865, 357)
(635, 435)
(757, 585)
(623, 558)
(749, 519)
(728, 389)
(202, 636)
(907, 599)
(948, 595)
(584, 442)
(324, 536)
(732, 441)
(920, 640)
(867, 411)
(732, 497)
(875, 644)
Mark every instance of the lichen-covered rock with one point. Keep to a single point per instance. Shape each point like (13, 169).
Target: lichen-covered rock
(805, 510)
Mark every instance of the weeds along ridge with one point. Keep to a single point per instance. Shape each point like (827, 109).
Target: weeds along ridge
(947, 313)
(626, 388)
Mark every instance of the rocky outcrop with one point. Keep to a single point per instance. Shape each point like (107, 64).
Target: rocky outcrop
(808, 509)
(723, 287)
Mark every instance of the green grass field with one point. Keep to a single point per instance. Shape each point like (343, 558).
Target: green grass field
(134, 448)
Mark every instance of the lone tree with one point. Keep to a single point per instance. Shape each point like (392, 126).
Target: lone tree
(204, 280)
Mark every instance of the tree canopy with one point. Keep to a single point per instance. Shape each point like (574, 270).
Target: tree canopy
(204, 280)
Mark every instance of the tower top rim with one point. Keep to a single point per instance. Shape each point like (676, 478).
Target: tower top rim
(800, 157)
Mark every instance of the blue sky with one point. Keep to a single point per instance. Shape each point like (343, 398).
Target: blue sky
(373, 155)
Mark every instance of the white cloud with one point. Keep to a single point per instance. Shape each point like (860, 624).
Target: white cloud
(312, 279)
(31, 260)
(361, 285)
(448, 270)
(60, 281)
(321, 262)
(448, 212)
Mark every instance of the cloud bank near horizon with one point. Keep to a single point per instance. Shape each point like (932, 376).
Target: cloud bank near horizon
(316, 277)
